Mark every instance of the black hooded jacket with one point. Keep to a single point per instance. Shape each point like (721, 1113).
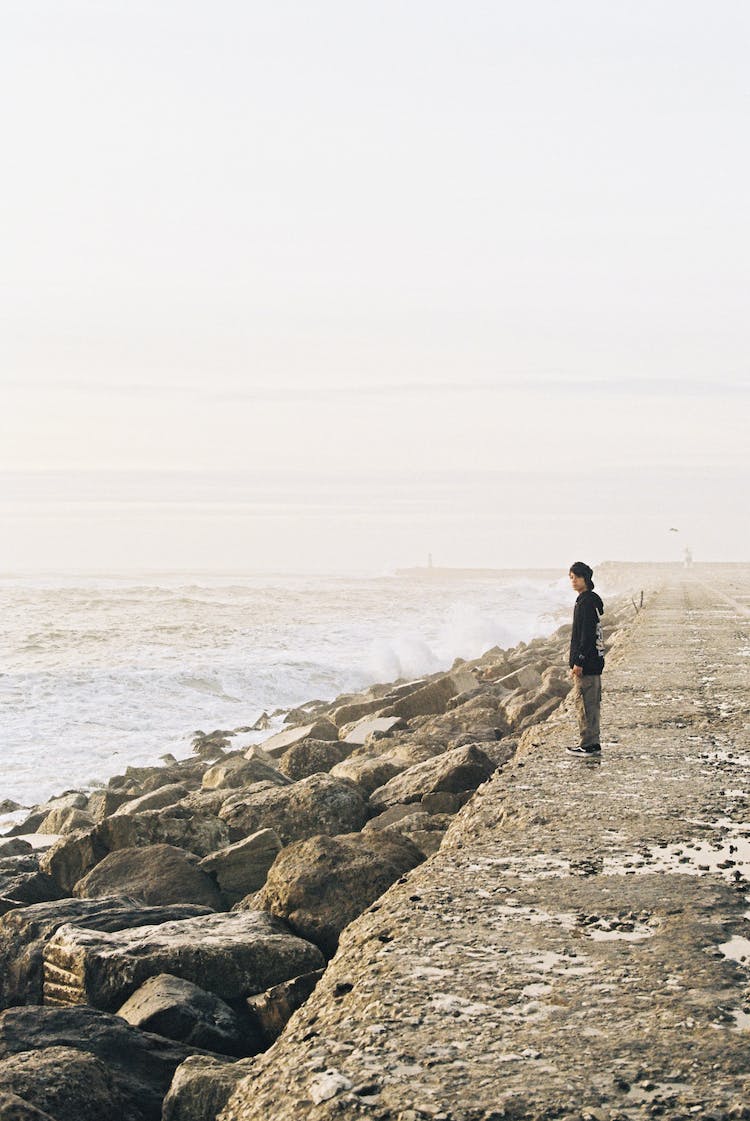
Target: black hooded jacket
(586, 646)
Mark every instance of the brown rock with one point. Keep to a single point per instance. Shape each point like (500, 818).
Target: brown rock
(463, 768)
(318, 804)
(157, 875)
(241, 868)
(310, 757)
(320, 885)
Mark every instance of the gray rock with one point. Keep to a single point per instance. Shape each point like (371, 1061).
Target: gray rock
(242, 868)
(318, 804)
(320, 885)
(202, 1086)
(140, 1064)
(15, 847)
(271, 1011)
(443, 802)
(156, 875)
(356, 710)
(180, 1010)
(155, 800)
(174, 825)
(238, 770)
(233, 955)
(432, 697)
(310, 757)
(463, 768)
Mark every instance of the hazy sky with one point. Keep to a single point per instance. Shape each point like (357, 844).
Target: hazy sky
(381, 239)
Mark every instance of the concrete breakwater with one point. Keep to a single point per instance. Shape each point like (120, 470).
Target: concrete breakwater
(184, 913)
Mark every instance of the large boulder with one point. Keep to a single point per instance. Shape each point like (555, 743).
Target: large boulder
(66, 1084)
(320, 885)
(355, 710)
(368, 771)
(463, 768)
(232, 955)
(310, 757)
(141, 1064)
(180, 1010)
(104, 802)
(318, 804)
(322, 729)
(25, 932)
(65, 820)
(241, 868)
(431, 697)
(202, 1086)
(157, 875)
(155, 800)
(238, 770)
(23, 882)
(71, 857)
(176, 825)
(373, 728)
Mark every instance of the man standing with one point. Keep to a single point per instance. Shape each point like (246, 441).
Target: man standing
(586, 658)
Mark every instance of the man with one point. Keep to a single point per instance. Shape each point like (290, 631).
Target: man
(586, 658)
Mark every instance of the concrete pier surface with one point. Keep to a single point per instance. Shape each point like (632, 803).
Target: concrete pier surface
(579, 946)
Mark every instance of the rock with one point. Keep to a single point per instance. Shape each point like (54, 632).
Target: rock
(525, 678)
(13, 1108)
(174, 825)
(271, 1011)
(392, 816)
(443, 802)
(318, 804)
(155, 800)
(178, 1009)
(140, 1064)
(232, 955)
(66, 1084)
(359, 732)
(462, 768)
(320, 885)
(319, 730)
(15, 847)
(71, 857)
(430, 698)
(368, 771)
(22, 882)
(71, 799)
(202, 1086)
(30, 824)
(157, 875)
(25, 932)
(65, 820)
(242, 868)
(104, 802)
(310, 757)
(238, 770)
(348, 713)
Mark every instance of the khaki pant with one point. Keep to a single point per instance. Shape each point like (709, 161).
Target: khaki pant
(587, 698)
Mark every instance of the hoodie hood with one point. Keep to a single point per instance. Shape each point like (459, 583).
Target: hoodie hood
(596, 598)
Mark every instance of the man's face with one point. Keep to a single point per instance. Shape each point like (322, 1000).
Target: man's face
(577, 583)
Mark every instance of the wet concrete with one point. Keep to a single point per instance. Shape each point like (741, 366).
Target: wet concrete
(580, 945)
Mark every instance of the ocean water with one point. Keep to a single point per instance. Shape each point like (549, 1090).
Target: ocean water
(98, 673)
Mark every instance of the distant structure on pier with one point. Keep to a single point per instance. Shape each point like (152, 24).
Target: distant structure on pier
(429, 560)
(688, 555)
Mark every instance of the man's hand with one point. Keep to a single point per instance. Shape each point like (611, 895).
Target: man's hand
(577, 671)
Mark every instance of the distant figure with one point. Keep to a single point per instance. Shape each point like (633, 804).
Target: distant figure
(586, 658)
(688, 557)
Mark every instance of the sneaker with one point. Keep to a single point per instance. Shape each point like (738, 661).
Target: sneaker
(592, 749)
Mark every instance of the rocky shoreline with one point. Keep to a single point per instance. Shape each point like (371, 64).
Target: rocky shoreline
(158, 933)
